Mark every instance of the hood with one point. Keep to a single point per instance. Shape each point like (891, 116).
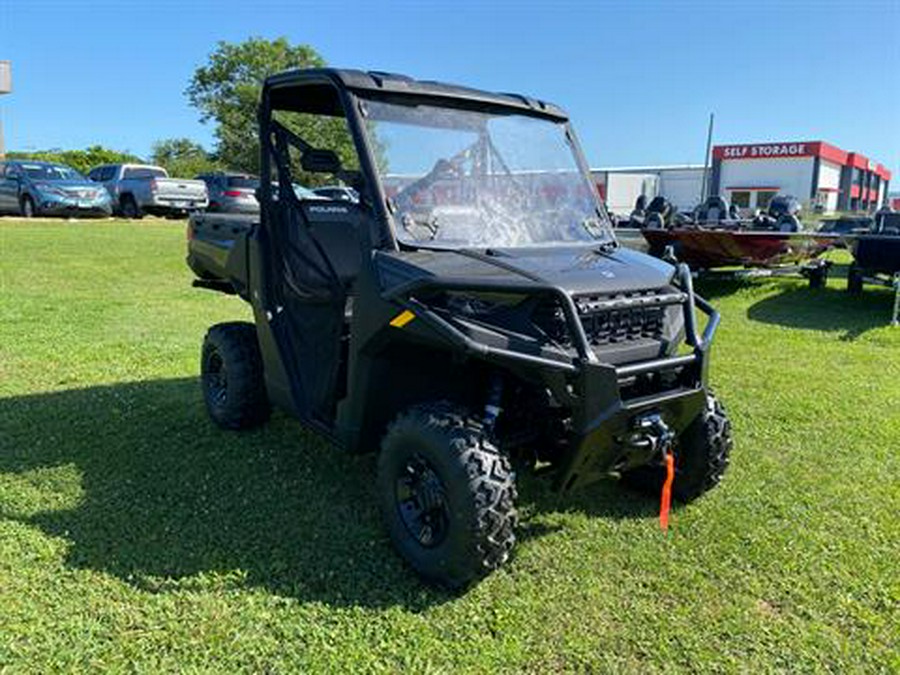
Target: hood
(577, 270)
(73, 184)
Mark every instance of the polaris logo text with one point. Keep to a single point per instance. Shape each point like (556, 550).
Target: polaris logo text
(329, 209)
(774, 150)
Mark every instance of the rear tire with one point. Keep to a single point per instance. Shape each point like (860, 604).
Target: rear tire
(447, 495)
(129, 208)
(231, 375)
(701, 457)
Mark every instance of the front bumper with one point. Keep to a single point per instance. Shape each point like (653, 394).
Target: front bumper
(161, 204)
(606, 401)
(64, 206)
(606, 419)
(228, 205)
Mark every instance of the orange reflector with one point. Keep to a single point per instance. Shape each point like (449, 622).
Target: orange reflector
(665, 500)
(402, 319)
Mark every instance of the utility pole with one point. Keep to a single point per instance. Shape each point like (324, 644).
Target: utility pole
(5, 88)
(706, 181)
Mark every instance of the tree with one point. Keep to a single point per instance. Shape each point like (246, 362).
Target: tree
(80, 160)
(227, 89)
(183, 157)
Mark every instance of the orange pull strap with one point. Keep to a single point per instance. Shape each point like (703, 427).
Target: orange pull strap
(665, 500)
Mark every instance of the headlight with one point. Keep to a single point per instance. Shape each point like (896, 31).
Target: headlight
(475, 304)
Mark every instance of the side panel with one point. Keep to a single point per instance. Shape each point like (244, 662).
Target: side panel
(218, 247)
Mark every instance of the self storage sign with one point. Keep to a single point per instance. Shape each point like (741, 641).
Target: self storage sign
(764, 151)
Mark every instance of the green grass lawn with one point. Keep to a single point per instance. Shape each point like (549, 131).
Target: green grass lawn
(136, 536)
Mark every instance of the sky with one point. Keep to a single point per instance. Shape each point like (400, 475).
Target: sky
(639, 79)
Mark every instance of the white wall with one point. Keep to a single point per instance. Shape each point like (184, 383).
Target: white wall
(829, 175)
(623, 189)
(829, 180)
(681, 186)
(792, 176)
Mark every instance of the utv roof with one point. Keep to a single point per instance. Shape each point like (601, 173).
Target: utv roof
(377, 82)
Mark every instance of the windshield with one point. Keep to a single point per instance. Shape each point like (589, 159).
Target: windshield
(51, 172)
(144, 172)
(476, 179)
(242, 182)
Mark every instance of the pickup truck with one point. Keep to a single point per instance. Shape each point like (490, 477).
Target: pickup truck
(137, 189)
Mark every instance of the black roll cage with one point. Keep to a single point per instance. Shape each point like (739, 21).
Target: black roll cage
(354, 88)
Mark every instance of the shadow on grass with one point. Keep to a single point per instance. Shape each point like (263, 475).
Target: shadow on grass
(166, 496)
(712, 288)
(827, 309)
(718, 284)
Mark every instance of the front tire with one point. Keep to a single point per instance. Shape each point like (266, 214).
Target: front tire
(27, 207)
(447, 495)
(701, 457)
(231, 375)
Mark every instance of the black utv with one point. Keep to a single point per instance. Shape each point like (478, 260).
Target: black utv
(472, 311)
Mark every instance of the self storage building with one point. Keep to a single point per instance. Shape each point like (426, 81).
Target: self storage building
(819, 174)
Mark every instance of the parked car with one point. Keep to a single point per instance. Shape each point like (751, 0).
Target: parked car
(42, 188)
(338, 193)
(231, 192)
(304, 193)
(137, 189)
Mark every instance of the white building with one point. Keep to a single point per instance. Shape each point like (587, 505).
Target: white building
(822, 176)
(620, 187)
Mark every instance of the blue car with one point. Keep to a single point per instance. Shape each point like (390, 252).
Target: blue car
(29, 188)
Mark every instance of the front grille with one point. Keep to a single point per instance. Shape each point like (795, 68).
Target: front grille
(81, 194)
(611, 319)
(605, 324)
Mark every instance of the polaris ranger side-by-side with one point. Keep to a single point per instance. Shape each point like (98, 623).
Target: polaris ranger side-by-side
(471, 312)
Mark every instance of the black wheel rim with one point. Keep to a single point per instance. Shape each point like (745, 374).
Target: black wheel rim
(28, 208)
(216, 379)
(422, 502)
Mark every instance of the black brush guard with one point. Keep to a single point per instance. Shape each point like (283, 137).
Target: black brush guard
(604, 422)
